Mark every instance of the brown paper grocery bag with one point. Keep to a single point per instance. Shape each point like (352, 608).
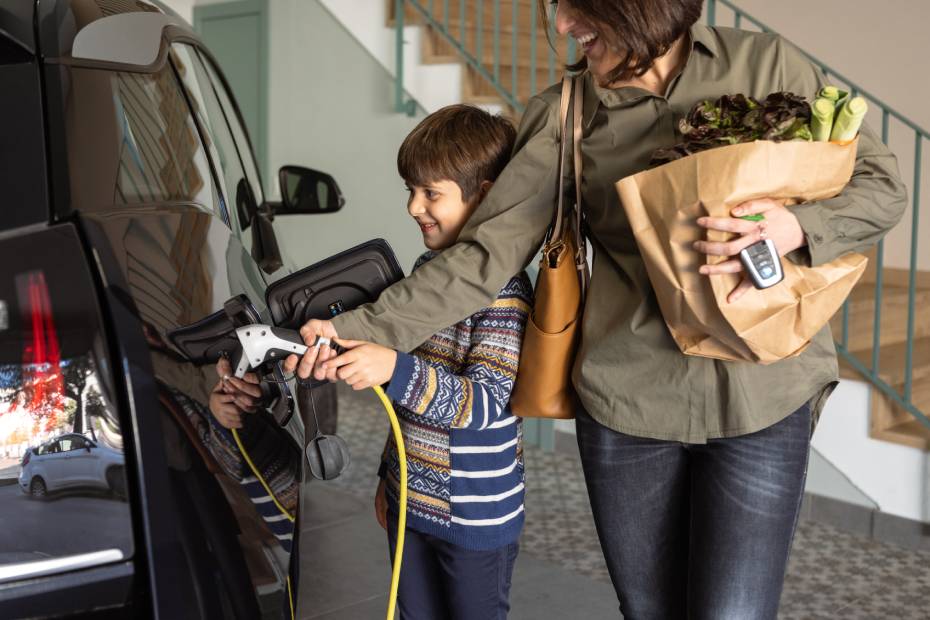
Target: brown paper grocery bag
(763, 326)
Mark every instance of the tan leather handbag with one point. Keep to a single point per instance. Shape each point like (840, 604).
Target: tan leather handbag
(544, 385)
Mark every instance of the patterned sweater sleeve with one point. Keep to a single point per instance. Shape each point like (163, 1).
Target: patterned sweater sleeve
(479, 395)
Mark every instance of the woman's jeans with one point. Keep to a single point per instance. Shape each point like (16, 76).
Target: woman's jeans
(697, 531)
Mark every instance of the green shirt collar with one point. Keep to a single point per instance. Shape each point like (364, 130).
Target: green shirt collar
(702, 39)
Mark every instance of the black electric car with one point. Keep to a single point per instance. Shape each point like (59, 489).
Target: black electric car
(135, 233)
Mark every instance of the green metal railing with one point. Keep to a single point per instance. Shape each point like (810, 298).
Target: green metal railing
(473, 16)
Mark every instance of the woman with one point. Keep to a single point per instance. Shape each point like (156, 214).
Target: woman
(695, 467)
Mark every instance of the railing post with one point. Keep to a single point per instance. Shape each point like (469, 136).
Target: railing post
(549, 37)
(399, 55)
(912, 276)
(497, 40)
(401, 105)
(879, 279)
(462, 23)
(479, 33)
(515, 46)
(533, 54)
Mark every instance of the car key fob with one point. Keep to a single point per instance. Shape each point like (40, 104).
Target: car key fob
(761, 262)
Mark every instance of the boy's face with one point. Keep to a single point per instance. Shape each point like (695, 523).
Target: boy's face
(440, 211)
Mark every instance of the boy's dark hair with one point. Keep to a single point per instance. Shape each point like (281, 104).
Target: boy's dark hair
(638, 30)
(459, 143)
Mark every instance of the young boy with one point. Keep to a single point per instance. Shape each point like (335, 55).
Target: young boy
(464, 452)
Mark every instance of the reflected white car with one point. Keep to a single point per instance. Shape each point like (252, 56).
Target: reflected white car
(72, 461)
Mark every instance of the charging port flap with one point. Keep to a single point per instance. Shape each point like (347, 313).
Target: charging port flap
(332, 286)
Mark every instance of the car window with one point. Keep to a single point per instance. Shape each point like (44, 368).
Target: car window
(55, 389)
(239, 132)
(236, 187)
(133, 141)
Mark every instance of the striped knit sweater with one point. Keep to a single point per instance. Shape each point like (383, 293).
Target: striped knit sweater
(464, 446)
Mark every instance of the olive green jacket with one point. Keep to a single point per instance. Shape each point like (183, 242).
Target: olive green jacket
(629, 373)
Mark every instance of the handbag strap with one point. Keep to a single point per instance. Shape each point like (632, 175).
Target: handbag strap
(555, 231)
(581, 261)
(572, 95)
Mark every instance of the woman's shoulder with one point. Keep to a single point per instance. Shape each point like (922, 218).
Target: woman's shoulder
(787, 65)
(769, 45)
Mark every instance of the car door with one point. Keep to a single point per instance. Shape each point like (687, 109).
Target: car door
(52, 469)
(67, 474)
(83, 463)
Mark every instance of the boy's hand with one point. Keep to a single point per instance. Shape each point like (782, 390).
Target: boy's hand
(381, 505)
(364, 365)
(310, 361)
(231, 396)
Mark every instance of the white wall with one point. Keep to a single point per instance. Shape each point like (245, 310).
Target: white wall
(331, 108)
(894, 476)
(884, 47)
(433, 86)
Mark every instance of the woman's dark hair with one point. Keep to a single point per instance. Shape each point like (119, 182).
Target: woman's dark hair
(639, 31)
(458, 143)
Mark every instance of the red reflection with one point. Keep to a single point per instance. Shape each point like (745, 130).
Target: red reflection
(43, 384)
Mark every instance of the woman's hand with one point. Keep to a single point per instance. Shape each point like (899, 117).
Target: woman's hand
(381, 505)
(231, 396)
(310, 362)
(780, 225)
(364, 365)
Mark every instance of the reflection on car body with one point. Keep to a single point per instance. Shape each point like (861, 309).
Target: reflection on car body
(72, 461)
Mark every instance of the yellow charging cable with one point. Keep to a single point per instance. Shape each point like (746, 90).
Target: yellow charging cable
(402, 516)
(402, 509)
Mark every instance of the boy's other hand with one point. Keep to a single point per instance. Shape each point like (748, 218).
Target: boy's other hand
(231, 396)
(312, 329)
(364, 365)
(381, 505)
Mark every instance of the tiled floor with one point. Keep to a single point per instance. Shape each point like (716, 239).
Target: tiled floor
(561, 572)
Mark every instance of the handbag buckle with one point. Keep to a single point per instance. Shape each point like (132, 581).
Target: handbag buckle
(552, 253)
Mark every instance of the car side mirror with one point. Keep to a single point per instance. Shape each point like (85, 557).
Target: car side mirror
(304, 190)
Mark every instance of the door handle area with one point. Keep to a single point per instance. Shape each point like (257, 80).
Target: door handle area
(265, 250)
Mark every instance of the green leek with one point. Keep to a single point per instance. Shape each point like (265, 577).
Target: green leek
(822, 118)
(849, 120)
(832, 93)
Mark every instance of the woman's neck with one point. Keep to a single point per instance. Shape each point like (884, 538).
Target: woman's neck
(663, 70)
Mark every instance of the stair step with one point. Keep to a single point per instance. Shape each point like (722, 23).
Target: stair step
(894, 312)
(890, 422)
(506, 45)
(476, 86)
(527, 11)
(440, 47)
(891, 361)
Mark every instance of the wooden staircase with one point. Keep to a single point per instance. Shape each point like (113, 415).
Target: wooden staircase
(475, 87)
(888, 421)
